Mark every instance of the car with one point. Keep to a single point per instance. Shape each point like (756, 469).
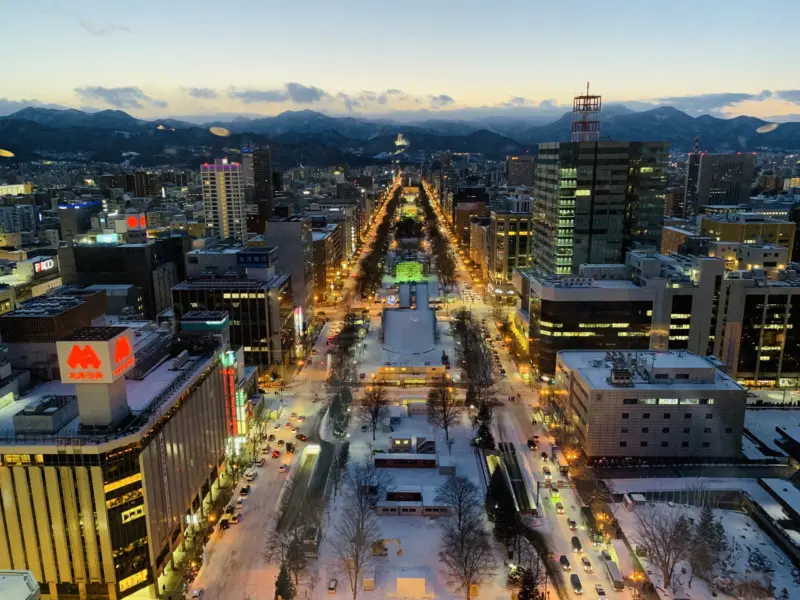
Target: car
(587, 564)
(277, 426)
(271, 437)
(532, 444)
(497, 338)
(224, 524)
(250, 475)
(198, 593)
(576, 584)
(295, 429)
(301, 436)
(576, 544)
(606, 555)
(332, 586)
(362, 375)
(308, 362)
(280, 443)
(293, 416)
(572, 524)
(314, 352)
(244, 491)
(363, 428)
(301, 418)
(536, 437)
(545, 458)
(259, 462)
(559, 506)
(599, 592)
(265, 449)
(289, 448)
(230, 509)
(565, 563)
(276, 454)
(283, 469)
(236, 518)
(288, 425)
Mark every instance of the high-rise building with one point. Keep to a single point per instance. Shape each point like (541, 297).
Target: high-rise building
(223, 199)
(595, 200)
(519, 170)
(749, 228)
(510, 245)
(145, 184)
(670, 404)
(675, 203)
(292, 236)
(262, 180)
(718, 179)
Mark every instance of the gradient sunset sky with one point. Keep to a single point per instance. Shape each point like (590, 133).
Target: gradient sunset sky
(176, 57)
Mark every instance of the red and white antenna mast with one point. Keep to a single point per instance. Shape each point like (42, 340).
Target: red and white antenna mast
(586, 117)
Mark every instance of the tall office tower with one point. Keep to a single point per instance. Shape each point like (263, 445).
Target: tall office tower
(718, 179)
(223, 199)
(247, 168)
(595, 200)
(144, 184)
(262, 180)
(519, 170)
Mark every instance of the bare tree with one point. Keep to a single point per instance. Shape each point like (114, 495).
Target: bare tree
(341, 454)
(366, 483)
(375, 407)
(443, 411)
(463, 499)
(664, 535)
(352, 542)
(466, 555)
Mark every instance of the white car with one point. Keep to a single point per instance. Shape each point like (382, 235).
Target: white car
(197, 593)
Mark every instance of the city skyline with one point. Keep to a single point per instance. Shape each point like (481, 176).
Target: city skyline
(355, 58)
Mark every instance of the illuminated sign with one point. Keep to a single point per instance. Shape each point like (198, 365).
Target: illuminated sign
(44, 265)
(136, 222)
(96, 361)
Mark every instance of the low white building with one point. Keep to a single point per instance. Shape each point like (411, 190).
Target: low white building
(648, 404)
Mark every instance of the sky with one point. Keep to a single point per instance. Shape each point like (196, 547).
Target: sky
(412, 58)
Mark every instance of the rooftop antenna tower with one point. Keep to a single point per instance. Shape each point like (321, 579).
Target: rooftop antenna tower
(586, 117)
(697, 143)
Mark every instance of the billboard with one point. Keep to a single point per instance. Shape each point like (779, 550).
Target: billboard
(44, 266)
(96, 361)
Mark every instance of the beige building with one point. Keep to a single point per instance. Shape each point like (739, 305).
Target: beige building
(645, 404)
(749, 228)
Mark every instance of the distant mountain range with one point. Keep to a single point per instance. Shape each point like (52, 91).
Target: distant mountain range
(311, 138)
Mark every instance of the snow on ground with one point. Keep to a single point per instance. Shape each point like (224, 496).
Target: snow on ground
(762, 424)
(745, 542)
(419, 536)
(750, 450)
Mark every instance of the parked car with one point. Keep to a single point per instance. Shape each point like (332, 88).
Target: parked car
(259, 462)
(275, 454)
(224, 524)
(277, 426)
(587, 564)
(235, 518)
(265, 449)
(565, 563)
(244, 491)
(271, 437)
(250, 475)
(576, 584)
(332, 586)
(230, 509)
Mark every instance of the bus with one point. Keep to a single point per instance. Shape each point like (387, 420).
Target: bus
(558, 458)
(614, 575)
(595, 534)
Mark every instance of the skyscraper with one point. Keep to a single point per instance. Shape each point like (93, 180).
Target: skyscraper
(223, 199)
(713, 179)
(519, 170)
(595, 200)
(262, 180)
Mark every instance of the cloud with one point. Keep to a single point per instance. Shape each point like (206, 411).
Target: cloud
(440, 101)
(517, 102)
(291, 92)
(304, 94)
(349, 102)
(98, 29)
(8, 106)
(202, 93)
(121, 97)
(711, 103)
(792, 96)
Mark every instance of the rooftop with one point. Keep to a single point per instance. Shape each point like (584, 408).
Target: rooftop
(639, 369)
(94, 334)
(148, 399)
(51, 306)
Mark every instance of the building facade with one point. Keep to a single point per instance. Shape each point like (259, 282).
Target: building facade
(718, 179)
(649, 405)
(595, 200)
(510, 245)
(519, 170)
(223, 199)
(293, 238)
(749, 228)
